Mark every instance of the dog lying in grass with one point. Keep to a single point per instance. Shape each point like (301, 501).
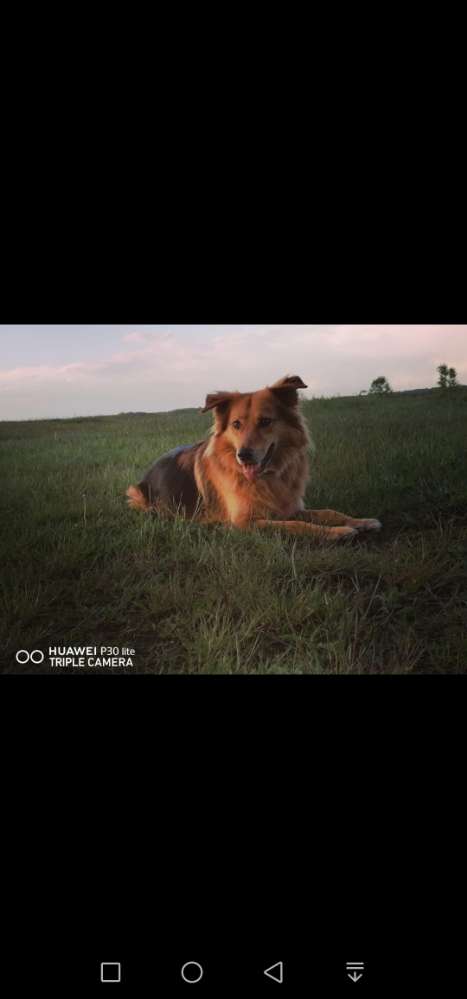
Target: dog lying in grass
(252, 470)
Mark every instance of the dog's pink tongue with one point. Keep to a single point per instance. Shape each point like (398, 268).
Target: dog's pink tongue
(250, 471)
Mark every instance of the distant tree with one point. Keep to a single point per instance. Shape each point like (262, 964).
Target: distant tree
(447, 377)
(379, 386)
(443, 372)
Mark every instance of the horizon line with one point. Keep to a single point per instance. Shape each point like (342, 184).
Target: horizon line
(363, 394)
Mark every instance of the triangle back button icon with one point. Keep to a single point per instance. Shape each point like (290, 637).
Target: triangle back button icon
(276, 972)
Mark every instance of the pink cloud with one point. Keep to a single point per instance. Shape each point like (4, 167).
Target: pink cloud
(234, 354)
(400, 341)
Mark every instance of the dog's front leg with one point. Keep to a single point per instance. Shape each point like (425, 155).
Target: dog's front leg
(335, 519)
(315, 530)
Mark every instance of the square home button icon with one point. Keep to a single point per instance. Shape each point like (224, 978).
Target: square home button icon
(111, 971)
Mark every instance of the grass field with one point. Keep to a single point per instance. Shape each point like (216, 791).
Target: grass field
(79, 568)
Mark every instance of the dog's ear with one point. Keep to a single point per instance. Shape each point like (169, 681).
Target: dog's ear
(286, 389)
(217, 400)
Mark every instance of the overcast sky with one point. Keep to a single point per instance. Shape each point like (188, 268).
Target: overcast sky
(60, 371)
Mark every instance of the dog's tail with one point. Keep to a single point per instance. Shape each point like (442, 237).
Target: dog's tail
(137, 499)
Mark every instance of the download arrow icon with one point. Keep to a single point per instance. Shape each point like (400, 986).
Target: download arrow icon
(354, 970)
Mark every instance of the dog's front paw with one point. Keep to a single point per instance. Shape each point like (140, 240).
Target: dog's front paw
(370, 524)
(342, 533)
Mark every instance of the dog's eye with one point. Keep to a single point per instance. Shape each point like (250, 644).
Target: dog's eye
(264, 421)
(236, 424)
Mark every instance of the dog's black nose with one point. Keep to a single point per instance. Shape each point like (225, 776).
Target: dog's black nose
(246, 455)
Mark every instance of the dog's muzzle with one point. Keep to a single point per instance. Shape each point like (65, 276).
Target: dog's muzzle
(249, 466)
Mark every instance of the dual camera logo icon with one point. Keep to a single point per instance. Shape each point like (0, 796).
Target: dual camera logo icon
(36, 656)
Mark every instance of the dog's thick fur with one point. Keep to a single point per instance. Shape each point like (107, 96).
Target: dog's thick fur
(251, 471)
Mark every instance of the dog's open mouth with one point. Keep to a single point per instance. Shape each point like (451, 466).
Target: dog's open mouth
(252, 471)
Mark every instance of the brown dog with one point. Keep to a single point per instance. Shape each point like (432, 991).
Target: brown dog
(251, 471)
